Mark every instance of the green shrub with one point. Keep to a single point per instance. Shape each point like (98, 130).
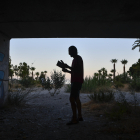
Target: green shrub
(122, 78)
(118, 84)
(27, 82)
(57, 81)
(48, 84)
(92, 83)
(118, 111)
(135, 84)
(17, 97)
(102, 95)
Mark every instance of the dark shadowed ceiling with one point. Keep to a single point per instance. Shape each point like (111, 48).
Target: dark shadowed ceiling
(70, 18)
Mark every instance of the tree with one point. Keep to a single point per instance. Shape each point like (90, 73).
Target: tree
(11, 71)
(112, 71)
(96, 75)
(114, 61)
(45, 73)
(134, 70)
(56, 82)
(124, 62)
(32, 69)
(37, 74)
(110, 75)
(136, 44)
(23, 70)
(16, 70)
(99, 74)
(104, 72)
(41, 75)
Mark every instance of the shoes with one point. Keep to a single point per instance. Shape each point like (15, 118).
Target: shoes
(72, 122)
(75, 122)
(80, 119)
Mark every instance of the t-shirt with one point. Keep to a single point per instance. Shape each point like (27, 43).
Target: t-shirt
(78, 73)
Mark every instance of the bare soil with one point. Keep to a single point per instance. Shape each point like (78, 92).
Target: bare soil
(44, 117)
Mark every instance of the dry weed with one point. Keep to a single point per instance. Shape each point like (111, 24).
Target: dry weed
(128, 124)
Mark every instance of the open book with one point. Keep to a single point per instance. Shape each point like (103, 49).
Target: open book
(60, 64)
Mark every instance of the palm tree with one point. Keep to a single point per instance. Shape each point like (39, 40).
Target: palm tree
(42, 72)
(23, 69)
(37, 74)
(104, 72)
(110, 75)
(99, 73)
(45, 73)
(114, 61)
(112, 71)
(96, 75)
(32, 69)
(16, 69)
(124, 62)
(11, 70)
(136, 44)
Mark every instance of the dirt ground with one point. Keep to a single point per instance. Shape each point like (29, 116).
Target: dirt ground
(44, 117)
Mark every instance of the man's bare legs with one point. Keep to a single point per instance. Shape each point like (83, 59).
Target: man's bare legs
(78, 102)
(75, 105)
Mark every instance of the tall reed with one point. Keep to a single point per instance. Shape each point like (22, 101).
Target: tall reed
(92, 83)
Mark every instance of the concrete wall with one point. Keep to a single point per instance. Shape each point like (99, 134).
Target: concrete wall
(4, 64)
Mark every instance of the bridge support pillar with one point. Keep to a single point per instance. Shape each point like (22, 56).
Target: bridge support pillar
(4, 67)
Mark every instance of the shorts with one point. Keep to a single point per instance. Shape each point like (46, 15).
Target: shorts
(75, 89)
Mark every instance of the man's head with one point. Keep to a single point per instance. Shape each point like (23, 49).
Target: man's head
(72, 51)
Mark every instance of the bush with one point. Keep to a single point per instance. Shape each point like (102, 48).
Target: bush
(102, 94)
(118, 111)
(57, 81)
(118, 84)
(91, 83)
(121, 78)
(17, 97)
(47, 85)
(135, 84)
(27, 82)
(68, 88)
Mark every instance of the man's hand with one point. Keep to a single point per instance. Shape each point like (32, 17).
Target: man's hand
(64, 70)
(65, 65)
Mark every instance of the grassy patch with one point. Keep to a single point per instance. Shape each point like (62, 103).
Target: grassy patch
(117, 118)
(17, 97)
(102, 94)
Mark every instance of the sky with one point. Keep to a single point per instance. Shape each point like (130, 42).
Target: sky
(43, 53)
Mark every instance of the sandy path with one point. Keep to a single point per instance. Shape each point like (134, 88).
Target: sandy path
(45, 117)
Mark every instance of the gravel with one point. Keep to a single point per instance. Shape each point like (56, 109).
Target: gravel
(45, 117)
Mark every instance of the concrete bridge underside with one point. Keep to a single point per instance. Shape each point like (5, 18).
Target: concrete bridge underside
(63, 19)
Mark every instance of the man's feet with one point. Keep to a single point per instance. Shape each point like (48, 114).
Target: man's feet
(80, 119)
(72, 122)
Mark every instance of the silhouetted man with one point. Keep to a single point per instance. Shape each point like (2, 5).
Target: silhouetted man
(76, 84)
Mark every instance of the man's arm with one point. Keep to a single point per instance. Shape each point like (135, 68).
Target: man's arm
(65, 70)
(71, 68)
(65, 65)
(75, 68)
